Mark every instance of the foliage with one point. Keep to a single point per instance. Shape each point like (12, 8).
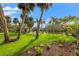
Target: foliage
(39, 50)
(70, 30)
(44, 6)
(26, 7)
(60, 45)
(8, 19)
(29, 21)
(67, 24)
(48, 46)
(15, 21)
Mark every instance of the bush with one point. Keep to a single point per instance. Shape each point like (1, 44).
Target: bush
(39, 50)
(48, 46)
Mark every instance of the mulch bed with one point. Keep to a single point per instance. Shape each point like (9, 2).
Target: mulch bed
(57, 49)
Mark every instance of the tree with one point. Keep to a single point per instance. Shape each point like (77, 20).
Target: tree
(54, 22)
(8, 18)
(1, 29)
(26, 8)
(41, 24)
(15, 21)
(16, 24)
(74, 26)
(4, 25)
(43, 7)
(29, 22)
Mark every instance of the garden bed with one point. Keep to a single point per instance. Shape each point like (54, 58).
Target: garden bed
(53, 49)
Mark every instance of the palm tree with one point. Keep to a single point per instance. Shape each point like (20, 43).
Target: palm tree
(4, 24)
(1, 29)
(53, 23)
(43, 7)
(30, 22)
(26, 8)
(15, 21)
(41, 25)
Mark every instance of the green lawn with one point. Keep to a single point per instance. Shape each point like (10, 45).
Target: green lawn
(22, 44)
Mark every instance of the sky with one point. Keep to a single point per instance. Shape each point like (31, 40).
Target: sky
(58, 9)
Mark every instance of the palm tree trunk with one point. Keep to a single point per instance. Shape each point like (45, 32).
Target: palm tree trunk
(21, 27)
(37, 31)
(38, 25)
(4, 23)
(41, 27)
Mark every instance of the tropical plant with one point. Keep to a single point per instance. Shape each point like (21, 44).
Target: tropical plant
(1, 26)
(43, 7)
(4, 25)
(30, 22)
(26, 8)
(15, 21)
(71, 28)
(39, 50)
(41, 24)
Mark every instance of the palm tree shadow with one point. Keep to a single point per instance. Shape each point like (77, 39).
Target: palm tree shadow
(1, 43)
(18, 52)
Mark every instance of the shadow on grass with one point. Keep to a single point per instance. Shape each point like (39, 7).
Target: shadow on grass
(2, 43)
(19, 52)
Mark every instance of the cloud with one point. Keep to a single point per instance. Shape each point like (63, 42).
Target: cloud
(9, 13)
(10, 8)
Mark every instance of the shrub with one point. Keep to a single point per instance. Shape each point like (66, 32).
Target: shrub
(48, 46)
(39, 50)
(60, 45)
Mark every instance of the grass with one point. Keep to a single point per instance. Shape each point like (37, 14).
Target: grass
(25, 42)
